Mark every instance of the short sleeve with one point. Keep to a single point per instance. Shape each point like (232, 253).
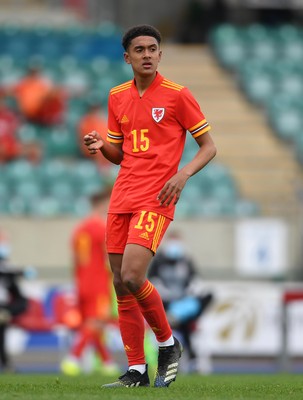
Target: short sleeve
(114, 134)
(189, 114)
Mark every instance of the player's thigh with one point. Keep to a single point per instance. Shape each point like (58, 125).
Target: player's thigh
(146, 230)
(136, 260)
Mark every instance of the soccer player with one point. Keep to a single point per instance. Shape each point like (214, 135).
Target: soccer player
(147, 122)
(93, 284)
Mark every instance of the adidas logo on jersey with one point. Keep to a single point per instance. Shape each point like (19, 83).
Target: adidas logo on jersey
(144, 236)
(124, 119)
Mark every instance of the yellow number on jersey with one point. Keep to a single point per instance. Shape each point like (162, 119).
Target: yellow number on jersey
(140, 141)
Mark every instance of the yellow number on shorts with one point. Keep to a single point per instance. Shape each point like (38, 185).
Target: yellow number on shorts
(150, 219)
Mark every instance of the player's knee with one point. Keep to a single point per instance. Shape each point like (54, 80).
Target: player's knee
(118, 284)
(132, 281)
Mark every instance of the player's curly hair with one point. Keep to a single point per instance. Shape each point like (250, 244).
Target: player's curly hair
(140, 30)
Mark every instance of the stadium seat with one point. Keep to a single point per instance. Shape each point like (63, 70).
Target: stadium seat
(5, 194)
(61, 142)
(18, 46)
(231, 54)
(259, 87)
(17, 206)
(11, 76)
(293, 51)
(80, 207)
(264, 50)
(20, 171)
(4, 189)
(76, 109)
(53, 170)
(77, 81)
(287, 125)
(29, 133)
(291, 84)
(28, 190)
(45, 207)
(61, 190)
(85, 170)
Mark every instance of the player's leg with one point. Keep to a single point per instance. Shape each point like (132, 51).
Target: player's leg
(106, 364)
(71, 364)
(136, 260)
(131, 324)
(135, 294)
(131, 321)
(146, 230)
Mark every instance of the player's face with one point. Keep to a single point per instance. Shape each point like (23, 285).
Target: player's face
(144, 55)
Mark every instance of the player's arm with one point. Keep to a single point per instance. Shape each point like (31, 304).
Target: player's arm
(174, 186)
(112, 152)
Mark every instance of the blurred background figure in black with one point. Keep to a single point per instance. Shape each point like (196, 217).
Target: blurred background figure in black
(12, 301)
(174, 274)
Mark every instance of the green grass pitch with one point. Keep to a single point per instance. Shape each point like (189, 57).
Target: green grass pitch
(187, 387)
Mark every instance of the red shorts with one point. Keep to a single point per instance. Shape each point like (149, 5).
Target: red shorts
(145, 228)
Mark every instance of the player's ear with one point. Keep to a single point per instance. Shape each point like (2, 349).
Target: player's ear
(126, 57)
(160, 55)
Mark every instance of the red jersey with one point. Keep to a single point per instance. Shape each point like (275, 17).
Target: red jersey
(152, 129)
(90, 258)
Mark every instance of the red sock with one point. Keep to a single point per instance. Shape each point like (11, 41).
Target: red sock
(132, 329)
(83, 338)
(98, 341)
(152, 308)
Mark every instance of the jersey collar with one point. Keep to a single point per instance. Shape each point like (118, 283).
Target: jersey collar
(155, 83)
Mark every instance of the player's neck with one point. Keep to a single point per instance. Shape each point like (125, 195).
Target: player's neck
(143, 83)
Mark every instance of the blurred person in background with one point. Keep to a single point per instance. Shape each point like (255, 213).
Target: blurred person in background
(93, 119)
(12, 301)
(39, 100)
(148, 118)
(93, 283)
(175, 276)
(11, 148)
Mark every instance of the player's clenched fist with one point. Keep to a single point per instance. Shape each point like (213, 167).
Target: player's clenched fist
(93, 141)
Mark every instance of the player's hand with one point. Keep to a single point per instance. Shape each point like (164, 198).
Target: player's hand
(93, 141)
(172, 189)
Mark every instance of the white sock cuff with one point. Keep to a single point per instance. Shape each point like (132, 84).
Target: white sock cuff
(138, 367)
(169, 342)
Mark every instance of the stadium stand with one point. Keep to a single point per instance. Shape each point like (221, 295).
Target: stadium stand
(265, 62)
(268, 63)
